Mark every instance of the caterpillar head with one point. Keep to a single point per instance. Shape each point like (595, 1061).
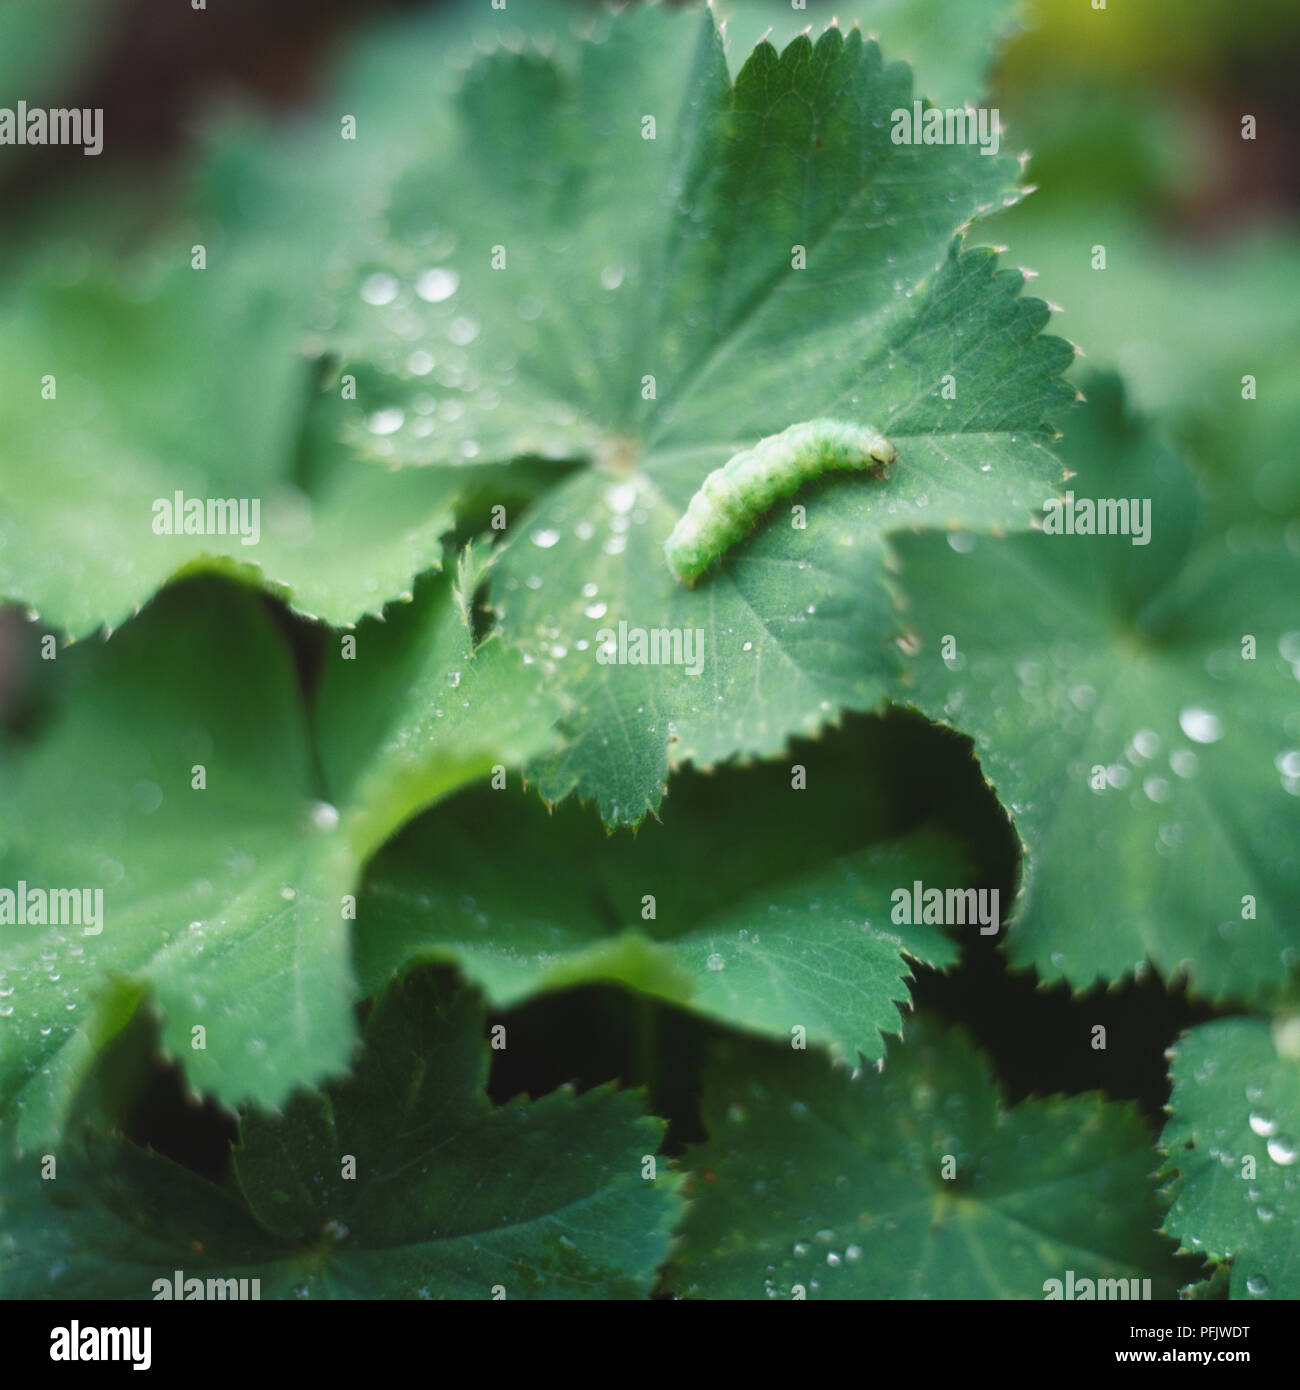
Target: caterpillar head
(882, 451)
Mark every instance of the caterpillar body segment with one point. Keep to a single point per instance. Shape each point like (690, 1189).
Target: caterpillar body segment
(732, 498)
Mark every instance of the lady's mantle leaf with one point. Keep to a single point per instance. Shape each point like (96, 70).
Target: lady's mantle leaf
(1133, 705)
(1233, 1140)
(444, 1196)
(952, 44)
(784, 927)
(180, 781)
(628, 260)
(817, 1180)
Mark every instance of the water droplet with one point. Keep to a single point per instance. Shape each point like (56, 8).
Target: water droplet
(1146, 742)
(437, 284)
(545, 538)
(379, 289)
(1286, 1032)
(1257, 1285)
(324, 816)
(1200, 725)
(386, 421)
(1183, 762)
(1282, 1149)
(1262, 1124)
(716, 962)
(621, 498)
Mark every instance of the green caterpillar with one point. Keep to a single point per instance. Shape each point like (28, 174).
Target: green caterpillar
(734, 496)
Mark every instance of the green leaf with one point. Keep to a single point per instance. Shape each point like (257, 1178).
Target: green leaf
(609, 279)
(1236, 1106)
(115, 1218)
(785, 925)
(225, 900)
(186, 382)
(1205, 319)
(414, 710)
(1180, 321)
(229, 902)
(1078, 653)
(450, 1197)
(547, 1199)
(174, 378)
(950, 43)
(819, 1178)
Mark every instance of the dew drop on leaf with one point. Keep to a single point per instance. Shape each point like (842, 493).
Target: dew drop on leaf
(1282, 1150)
(1200, 725)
